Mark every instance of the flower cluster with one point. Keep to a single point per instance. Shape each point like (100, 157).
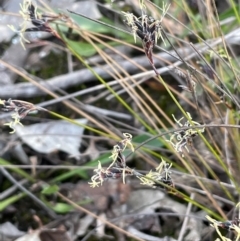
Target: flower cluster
(40, 21)
(230, 225)
(24, 12)
(117, 156)
(20, 109)
(160, 178)
(103, 174)
(184, 137)
(191, 85)
(147, 29)
(117, 168)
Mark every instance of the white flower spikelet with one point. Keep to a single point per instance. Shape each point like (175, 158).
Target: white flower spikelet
(180, 139)
(24, 12)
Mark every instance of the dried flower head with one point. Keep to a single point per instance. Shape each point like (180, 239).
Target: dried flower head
(184, 137)
(21, 109)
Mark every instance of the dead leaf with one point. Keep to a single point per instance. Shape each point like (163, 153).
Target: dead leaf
(34, 236)
(46, 235)
(51, 136)
(84, 223)
(53, 235)
(9, 230)
(147, 237)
